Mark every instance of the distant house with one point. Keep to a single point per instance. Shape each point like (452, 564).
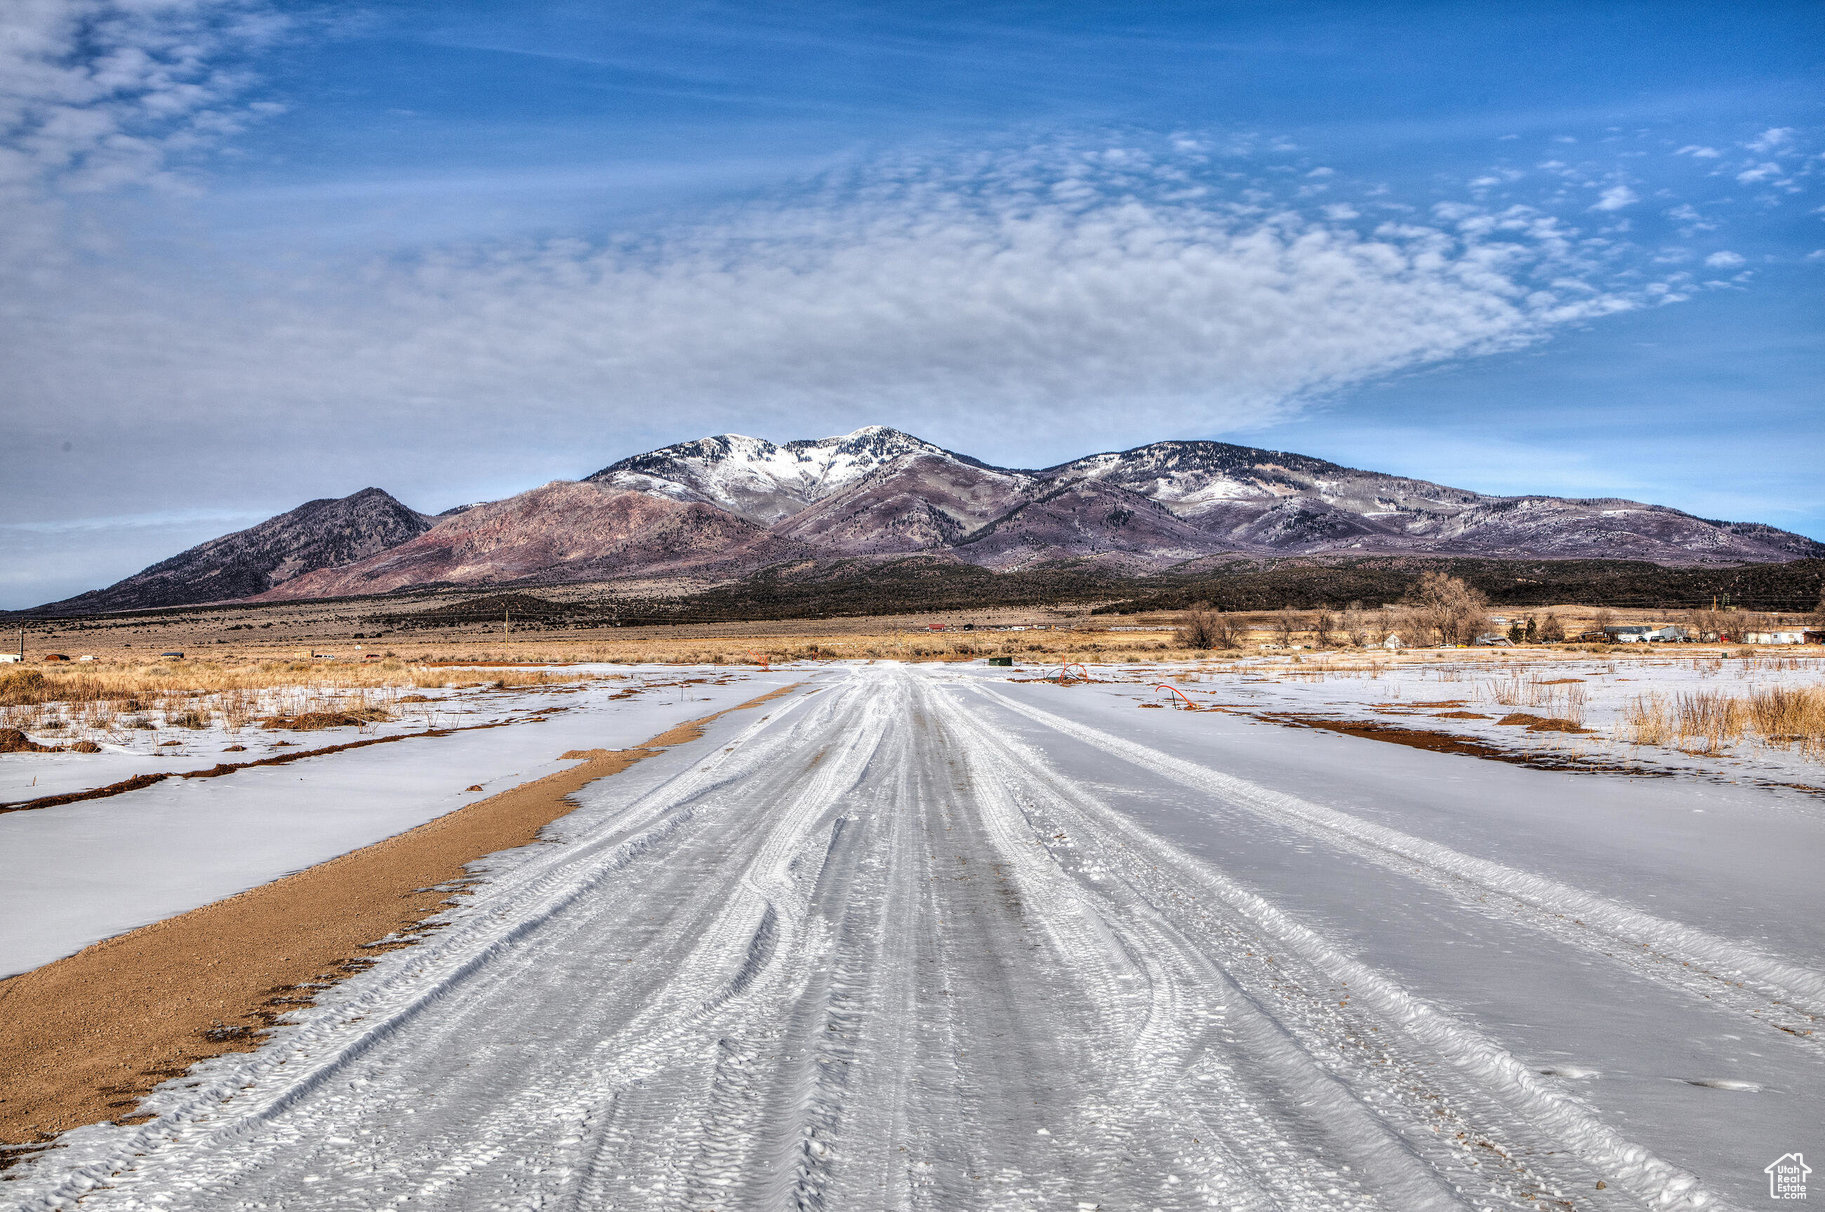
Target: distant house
(1393, 643)
(1492, 640)
(1795, 636)
(1633, 633)
(9, 658)
(1673, 633)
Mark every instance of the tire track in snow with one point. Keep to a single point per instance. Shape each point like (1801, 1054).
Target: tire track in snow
(1185, 888)
(1676, 955)
(265, 1084)
(846, 962)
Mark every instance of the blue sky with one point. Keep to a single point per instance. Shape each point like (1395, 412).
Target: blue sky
(264, 252)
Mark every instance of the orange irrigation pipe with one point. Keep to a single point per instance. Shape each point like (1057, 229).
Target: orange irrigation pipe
(1067, 668)
(759, 659)
(1189, 705)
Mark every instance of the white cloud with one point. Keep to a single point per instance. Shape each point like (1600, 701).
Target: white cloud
(1615, 198)
(1759, 172)
(1689, 219)
(1724, 260)
(1771, 140)
(943, 296)
(1044, 301)
(105, 92)
(96, 95)
(1697, 152)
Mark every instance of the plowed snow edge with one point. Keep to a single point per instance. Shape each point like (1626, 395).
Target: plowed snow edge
(83, 1039)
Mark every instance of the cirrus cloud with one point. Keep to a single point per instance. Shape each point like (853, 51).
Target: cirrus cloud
(1112, 287)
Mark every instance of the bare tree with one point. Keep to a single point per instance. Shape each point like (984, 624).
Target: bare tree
(1228, 631)
(1451, 610)
(1203, 629)
(1552, 631)
(1712, 622)
(1357, 625)
(1195, 629)
(1325, 630)
(1286, 625)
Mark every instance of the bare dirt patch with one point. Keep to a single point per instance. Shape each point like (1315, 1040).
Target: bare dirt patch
(84, 1039)
(1449, 742)
(1542, 723)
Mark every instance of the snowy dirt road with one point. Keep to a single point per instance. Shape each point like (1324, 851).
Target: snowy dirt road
(920, 938)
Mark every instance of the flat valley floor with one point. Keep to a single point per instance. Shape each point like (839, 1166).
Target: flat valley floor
(921, 936)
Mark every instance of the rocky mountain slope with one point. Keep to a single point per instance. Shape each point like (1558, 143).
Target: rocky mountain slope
(726, 506)
(1271, 502)
(564, 531)
(320, 534)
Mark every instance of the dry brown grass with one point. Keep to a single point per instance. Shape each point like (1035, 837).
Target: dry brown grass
(1564, 698)
(114, 699)
(129, 684)
(1779, 716)
(1790, 716)
(312, 721)
(888, 645)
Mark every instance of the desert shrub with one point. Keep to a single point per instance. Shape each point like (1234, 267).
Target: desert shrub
(21, 686)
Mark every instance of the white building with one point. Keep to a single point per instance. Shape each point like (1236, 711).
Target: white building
(1774, 637)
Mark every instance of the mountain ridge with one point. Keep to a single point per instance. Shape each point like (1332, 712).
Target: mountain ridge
(324, 533)
(729, 505)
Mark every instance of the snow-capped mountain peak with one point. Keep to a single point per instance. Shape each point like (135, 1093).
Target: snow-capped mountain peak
(765, 481)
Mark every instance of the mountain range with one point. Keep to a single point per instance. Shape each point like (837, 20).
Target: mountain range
(720, 508)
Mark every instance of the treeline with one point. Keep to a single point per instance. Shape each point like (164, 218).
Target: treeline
(856, 587)
(1620, 584)
(851, 588)
(808, 590)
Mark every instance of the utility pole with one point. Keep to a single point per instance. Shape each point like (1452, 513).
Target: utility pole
(507, 624)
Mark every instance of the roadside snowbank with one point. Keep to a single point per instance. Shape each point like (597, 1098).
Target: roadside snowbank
(76, 873)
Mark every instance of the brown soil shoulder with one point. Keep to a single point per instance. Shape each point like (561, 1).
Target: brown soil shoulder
(85, 1038)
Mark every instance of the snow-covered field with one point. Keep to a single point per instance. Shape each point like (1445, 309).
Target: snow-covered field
(76, 873)
(942, 937)
(1470, 696)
